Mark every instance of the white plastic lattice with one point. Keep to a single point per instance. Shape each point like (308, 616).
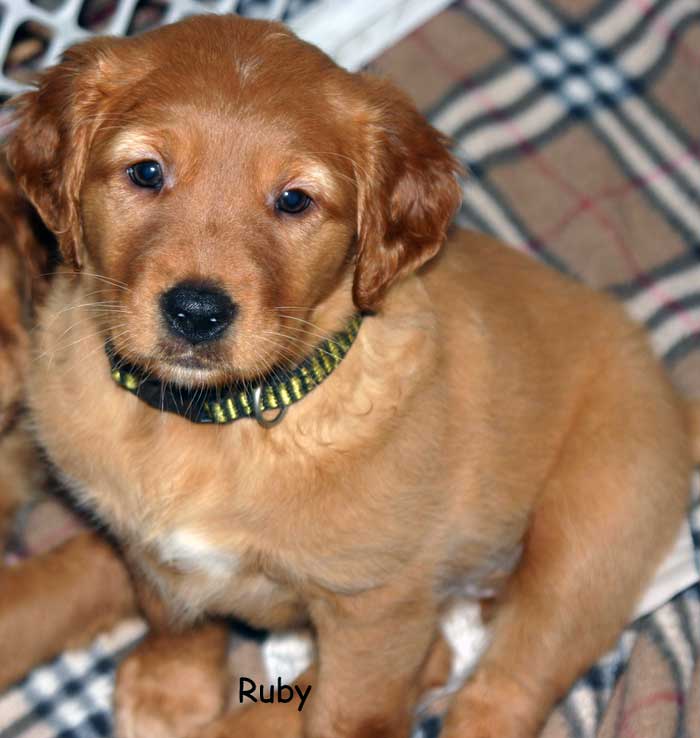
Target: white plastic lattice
(33, 33)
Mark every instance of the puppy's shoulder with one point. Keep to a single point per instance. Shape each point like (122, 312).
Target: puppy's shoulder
(499, 283)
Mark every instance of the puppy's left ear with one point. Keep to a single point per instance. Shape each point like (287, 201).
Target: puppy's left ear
(49, 146)
(408, 192)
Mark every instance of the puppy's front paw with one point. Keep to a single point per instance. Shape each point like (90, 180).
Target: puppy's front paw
(493, 708)
(476, 719)
(256, 721)
(163, 693)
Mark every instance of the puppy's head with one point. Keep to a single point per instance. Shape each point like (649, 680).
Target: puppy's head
(238, 193)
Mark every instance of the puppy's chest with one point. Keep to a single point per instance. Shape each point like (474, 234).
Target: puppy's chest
(220, 519)
(189, 552)
(193, 538)
(229, 549)
(195, 575)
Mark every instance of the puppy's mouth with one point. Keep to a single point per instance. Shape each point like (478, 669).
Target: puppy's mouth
(192, 373)
(190, 362)
(196, 358)
(192, 366)
(188, 366)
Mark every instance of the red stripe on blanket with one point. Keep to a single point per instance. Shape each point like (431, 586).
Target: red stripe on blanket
(583, 202)
(649, 701)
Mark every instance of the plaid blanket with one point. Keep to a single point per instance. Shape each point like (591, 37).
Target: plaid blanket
(578, 122)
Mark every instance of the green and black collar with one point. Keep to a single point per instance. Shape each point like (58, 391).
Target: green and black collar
(221, 405)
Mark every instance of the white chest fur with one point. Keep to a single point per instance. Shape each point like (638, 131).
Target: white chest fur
(190, 552)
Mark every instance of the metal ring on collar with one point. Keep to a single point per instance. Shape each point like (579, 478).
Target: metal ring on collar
(257, 410)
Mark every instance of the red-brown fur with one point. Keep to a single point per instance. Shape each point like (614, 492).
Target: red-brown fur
(20, 265)
(18, 269)
(489, 403)
(82, 583)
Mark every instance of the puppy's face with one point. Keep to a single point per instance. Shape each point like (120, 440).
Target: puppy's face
(238, 191)
(228, 211)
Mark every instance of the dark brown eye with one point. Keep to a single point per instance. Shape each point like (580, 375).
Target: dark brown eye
(293, 201)
(146, 174)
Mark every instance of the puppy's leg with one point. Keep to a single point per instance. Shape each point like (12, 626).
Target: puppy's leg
(371, 650)
(609, 509)
(286, 720)
(176, 680)
(173, 683)
(59, 599)
(264, 720)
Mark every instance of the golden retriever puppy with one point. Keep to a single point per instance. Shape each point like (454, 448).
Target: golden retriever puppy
(285, 416)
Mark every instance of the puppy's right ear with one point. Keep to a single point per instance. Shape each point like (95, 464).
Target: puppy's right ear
(408, 190)
(54, 126)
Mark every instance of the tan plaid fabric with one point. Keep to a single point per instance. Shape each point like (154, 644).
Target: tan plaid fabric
(580, 123)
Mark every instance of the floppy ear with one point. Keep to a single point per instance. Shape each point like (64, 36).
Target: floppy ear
(49, 146)
(408, 193)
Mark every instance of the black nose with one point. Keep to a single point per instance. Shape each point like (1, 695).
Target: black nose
(197, 312)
